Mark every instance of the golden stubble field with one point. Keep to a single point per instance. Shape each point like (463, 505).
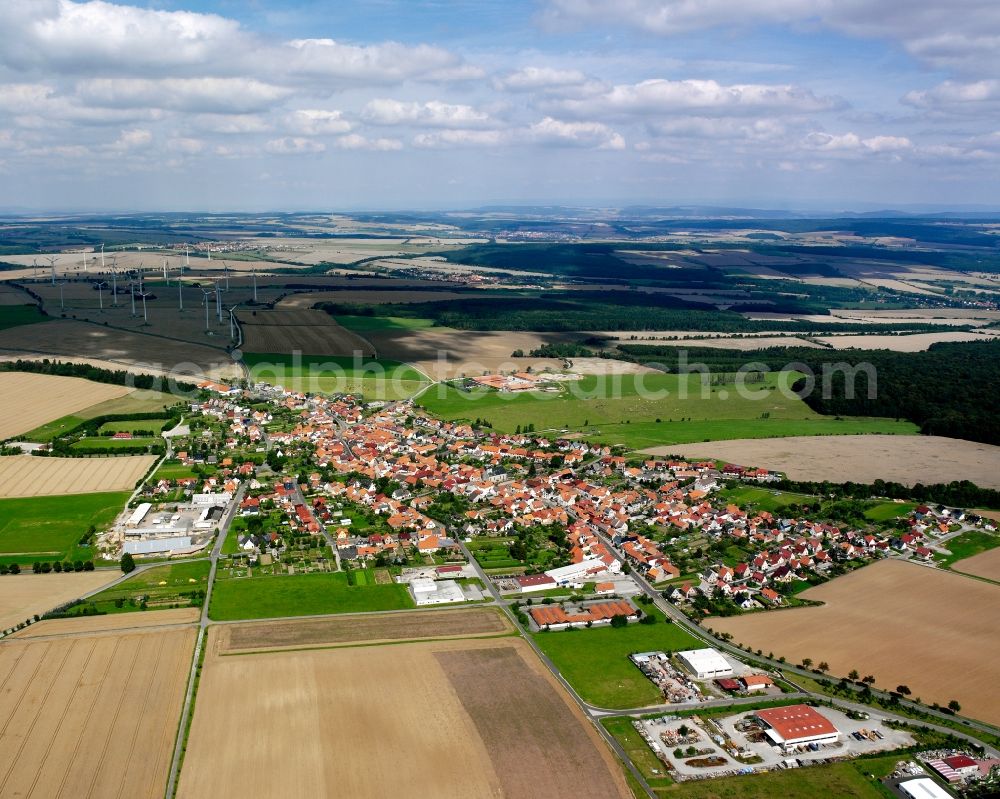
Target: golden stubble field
(29, 400)
(860, 458)
(29, 476)
(91, 715)
(906, 624)
(112, 622)
(24, 595)
(461, 719)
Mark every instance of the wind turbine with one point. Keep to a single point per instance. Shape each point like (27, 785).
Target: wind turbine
(165, 271)
(180, 295)
(100, 292)
(232, 322)
(131, 288)
(218, 301)
(34, 266)
(255, 285)
(205, 295)
(225, 267)
(85, 261)
(143, 295)
(102, 256)
(187, 256)
(114, 280)
(52, 265)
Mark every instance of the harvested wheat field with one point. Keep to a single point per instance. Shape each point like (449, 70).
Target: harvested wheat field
(862, 458)
(29, 400)
(11, 295)
(30, 476)
(917, 342)
(985, 564)
(375, 296)
(24, 595)
(91, 716)
(463, 622)
(906, 624)
(113, 622)
(448, 719)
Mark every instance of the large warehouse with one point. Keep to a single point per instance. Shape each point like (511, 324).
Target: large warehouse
(797, 725)
(923, 788)
(706, 664)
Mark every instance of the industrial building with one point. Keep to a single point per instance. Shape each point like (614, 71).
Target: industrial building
(706, 664)
(923, 788)
(435, 592)
(797, 725)
(577, 572)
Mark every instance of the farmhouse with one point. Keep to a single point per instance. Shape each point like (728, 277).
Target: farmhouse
(796, 725)
(706, 664)
(557, 618)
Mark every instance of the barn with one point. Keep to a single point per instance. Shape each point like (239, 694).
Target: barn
(796, 725)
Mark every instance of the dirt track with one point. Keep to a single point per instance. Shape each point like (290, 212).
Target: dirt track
(931, 630)
(862, 459)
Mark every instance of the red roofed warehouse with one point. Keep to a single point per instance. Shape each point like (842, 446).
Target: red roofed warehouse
(797, 725)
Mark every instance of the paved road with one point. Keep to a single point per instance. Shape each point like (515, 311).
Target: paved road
(227, 521)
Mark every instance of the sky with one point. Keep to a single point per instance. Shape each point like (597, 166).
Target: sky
(251, 105)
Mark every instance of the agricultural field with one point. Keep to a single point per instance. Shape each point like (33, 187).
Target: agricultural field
(137, 401)
(986, 564)
(889, 620)
(19, 315)
(311, 332)
(862, 459)
(24, 595)
(967, 545)
(624, 409)
(595, 661)
(150, 427)
(30, 400)
(301, 595)
(461, 718)
(92, 443)
(11, 295)
(377, 628)
(32, 476)
(763, 498)
(47, 528)
(92, 715)
(172, 586)
(374, 378)
(841, 780)
(109, 623)
(175, 470)
(134, 349)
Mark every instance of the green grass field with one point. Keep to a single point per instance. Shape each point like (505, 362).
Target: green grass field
(623, 409)
(763, 498)
(887, 511)
(638, 750)
(374, 378)
(840, 780)
(106, 442)
(301, 595)
(162, 587)
(137, 402)
(17, 315)
(966, 545)
(369, 324)
(174, 470)
(596, 663)
(46, 528)
(149, 426)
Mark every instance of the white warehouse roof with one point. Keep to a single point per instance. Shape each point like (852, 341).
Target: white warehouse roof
(158, 545)
(706, 661)
(924, 788)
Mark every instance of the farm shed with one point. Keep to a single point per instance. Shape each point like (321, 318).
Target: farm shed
(706, 664)
(797, 725)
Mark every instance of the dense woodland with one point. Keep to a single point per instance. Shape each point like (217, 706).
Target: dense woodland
(949, 390)
(118, 377)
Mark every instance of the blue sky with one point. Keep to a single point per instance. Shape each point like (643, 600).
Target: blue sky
(258, 104)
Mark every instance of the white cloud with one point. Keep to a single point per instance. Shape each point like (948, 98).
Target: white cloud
(659, 96)
(721, 129)
(431, 114)
(207, 95)
(853, 143)
(462, 138)
(133, 139)
(317, 122)
(578, 134)
(962, 34)
(294, 145)
(529, 79)
(955, 97)
(185, 145)
(355, 141)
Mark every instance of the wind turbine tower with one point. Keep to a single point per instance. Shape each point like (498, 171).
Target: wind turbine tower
(102, 256)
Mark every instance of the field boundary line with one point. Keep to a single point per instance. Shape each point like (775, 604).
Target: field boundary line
(362, 644)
